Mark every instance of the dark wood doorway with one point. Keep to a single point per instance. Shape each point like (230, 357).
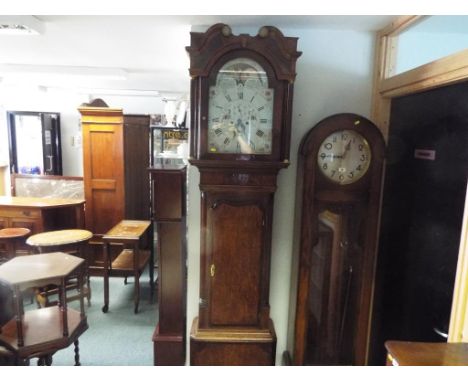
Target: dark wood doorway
(34, 143)
(422, 211)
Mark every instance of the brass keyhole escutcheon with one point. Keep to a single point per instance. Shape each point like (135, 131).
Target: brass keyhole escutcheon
(212, 270)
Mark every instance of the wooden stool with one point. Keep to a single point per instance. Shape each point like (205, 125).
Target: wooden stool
(131, 261)
(71, 241)
(10, 237)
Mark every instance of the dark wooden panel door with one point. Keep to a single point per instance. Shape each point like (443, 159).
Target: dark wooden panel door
(136, 162)
(235, 248)
(422, 214)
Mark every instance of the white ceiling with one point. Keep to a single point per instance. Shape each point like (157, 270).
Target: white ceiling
(150, 49)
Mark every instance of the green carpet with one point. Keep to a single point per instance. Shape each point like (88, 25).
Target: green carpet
(118, 337)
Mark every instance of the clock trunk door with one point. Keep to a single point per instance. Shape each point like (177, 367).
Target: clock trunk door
(235, 247)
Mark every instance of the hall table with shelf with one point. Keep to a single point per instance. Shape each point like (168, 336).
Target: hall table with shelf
(405, 353)
(41, 332)
(132, 260)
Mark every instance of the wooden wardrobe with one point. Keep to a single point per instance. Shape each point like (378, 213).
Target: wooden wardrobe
(115, 162)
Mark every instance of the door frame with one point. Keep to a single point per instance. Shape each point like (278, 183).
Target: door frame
(12, 137)
(386, 86)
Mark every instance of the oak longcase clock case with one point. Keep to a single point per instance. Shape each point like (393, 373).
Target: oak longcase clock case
(241, 94)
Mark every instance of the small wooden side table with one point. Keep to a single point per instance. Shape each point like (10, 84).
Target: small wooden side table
(404, 353)
(42, 332)
(132, 260)
(71, 241)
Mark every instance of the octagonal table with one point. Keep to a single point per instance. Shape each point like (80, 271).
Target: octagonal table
(42, 332)
(67, 240)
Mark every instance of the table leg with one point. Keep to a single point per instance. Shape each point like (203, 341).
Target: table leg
(84, 255)
(10, 249)
(105, 308)
(151, 260)
(48, 360)
(77, 353)
(81, 276)
(18, 300)
(63, 306)
(136, 262)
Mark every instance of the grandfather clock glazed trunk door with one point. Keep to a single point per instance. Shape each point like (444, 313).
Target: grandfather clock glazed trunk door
(232, 302)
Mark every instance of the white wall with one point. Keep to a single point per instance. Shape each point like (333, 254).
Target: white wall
(65, 102)
(334, 75)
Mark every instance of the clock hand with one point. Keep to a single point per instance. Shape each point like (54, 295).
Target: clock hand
(342, 156)
(239, 123)
(347, 147)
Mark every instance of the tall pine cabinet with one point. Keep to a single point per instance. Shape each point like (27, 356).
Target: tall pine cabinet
(115, 162)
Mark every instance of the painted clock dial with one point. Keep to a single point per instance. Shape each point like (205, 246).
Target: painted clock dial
(344, 156)
(240, 109)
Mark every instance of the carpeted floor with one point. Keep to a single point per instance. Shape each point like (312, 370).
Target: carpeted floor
(118, 337)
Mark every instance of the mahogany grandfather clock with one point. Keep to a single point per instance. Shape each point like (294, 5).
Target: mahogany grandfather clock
(339, 179)
(241, 94)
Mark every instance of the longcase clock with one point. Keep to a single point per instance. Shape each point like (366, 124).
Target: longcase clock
(338, 195)
(241, 94)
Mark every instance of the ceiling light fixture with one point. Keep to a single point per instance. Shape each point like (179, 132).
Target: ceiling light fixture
(21, 25)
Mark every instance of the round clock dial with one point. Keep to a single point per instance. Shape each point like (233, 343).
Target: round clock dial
(344, 156)
(240, 110)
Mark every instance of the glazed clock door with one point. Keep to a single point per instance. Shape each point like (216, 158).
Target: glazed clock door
(240, 109)
(243, 111)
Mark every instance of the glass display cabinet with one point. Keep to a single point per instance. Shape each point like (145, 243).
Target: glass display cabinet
(168, 144)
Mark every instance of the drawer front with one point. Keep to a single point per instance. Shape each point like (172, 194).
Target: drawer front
(22, 212)
(32, 224)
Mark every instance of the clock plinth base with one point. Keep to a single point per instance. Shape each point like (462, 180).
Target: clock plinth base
(168, 350)
(232, 347)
